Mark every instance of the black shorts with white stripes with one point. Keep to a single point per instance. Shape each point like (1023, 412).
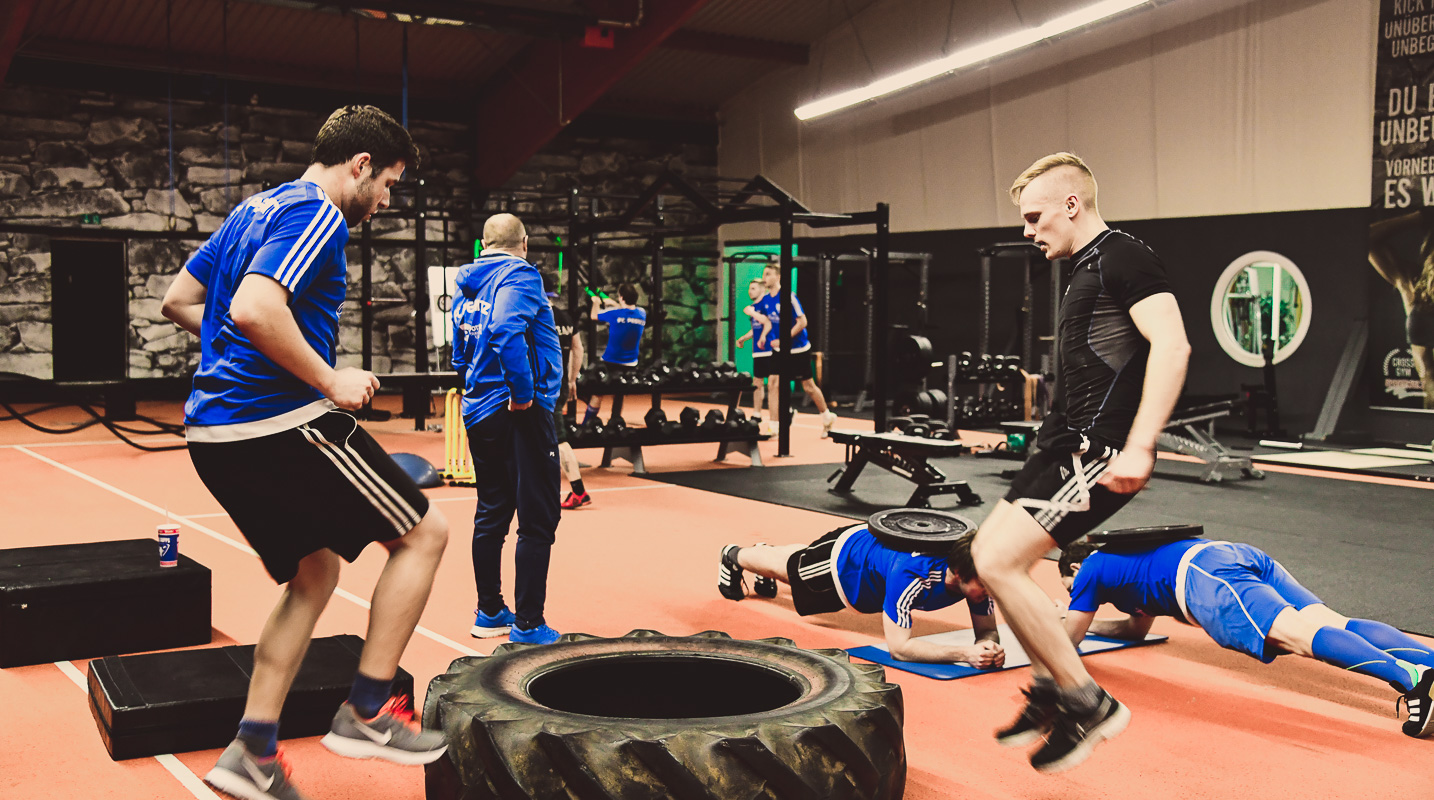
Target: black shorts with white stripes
(812, 575)
(324, 484)
(1049, 488)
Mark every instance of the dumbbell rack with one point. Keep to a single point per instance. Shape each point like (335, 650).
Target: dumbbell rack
(629, 447)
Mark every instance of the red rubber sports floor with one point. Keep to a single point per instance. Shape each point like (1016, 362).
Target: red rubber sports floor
(1207, 723)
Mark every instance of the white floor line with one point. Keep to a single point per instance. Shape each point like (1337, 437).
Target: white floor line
(64, 444)
(187, 521)
(175, 767)
(207, 516)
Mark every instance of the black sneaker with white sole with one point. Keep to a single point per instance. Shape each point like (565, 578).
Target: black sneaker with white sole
(729, 575)
(1035, 719)
(1075, 734)
(764, 587)
(1417, 700)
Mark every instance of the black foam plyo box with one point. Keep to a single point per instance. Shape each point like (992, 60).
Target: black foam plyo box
(154, 703)
(62, 602)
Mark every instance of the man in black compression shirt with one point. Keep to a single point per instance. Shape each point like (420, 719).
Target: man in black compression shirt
(1123, 359)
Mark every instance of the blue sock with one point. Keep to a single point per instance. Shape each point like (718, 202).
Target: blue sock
(1348, 650)
(1391, 640)
(260, 738)
(369, 694)
(589, 414)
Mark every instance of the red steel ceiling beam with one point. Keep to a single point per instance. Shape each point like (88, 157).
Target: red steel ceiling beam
(14, 16)
(739, 46)
(549, 83)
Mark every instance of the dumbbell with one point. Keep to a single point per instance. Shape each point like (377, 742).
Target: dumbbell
(736, 421)
(592, 429)
(658, 424)
(712, 422)
(917, 430)
(899, 424)
(616, 428)
(965, 369)
(689, 418)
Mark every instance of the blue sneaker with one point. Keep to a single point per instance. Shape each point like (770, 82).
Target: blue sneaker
(539, 635)
(486, 627)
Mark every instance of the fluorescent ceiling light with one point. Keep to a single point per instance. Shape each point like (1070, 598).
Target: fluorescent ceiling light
(964, 58)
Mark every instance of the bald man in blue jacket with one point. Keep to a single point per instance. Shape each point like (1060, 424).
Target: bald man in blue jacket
(505, 348)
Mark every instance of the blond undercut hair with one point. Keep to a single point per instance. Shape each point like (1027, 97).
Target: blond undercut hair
(1083, 182)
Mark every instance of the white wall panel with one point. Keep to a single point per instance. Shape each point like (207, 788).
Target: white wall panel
(1189, 108)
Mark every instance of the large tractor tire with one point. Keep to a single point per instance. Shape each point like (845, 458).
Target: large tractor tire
(649, 716)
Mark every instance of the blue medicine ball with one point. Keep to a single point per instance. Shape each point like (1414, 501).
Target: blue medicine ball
(418, 469)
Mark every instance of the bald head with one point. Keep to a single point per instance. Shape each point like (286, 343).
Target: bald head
(504, 232)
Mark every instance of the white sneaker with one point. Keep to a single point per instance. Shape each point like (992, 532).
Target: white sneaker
(828, 419)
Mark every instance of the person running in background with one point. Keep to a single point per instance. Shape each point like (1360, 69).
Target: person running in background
(799, 363)
(761, 327)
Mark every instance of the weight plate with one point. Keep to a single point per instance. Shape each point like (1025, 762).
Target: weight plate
(1146, 538)
(921, 530)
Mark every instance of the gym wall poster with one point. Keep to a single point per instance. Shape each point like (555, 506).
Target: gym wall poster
(1400, 363)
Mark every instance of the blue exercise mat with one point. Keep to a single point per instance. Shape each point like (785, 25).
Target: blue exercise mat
(1015, 656)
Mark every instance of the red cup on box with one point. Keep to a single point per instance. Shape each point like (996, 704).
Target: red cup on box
(169, 545)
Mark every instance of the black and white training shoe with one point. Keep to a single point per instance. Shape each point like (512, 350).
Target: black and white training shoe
(1417, 700)
(729, 575)
(1074, 735)
(1035, 719)
(762, 586)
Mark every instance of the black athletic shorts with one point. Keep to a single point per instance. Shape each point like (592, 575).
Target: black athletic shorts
(799, 366)
(812, 573)
(324, 484)
(1049, 477)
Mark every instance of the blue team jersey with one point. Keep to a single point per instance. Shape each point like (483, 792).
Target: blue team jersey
(295, 235)
(873, 578)
(771, 306)
(1140, 583)
(624, 334)
(761, 345)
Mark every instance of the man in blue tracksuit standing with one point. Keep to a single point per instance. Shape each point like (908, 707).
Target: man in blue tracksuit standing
(505, 347)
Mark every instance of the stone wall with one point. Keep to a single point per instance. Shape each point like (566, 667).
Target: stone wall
(65, 154)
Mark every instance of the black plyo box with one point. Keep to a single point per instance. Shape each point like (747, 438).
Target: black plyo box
(69, 601)
(178, 702)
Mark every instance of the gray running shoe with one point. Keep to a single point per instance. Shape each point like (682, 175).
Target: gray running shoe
(240, 774)
(390, 735)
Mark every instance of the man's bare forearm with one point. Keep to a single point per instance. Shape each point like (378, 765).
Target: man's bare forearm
(1164, 378)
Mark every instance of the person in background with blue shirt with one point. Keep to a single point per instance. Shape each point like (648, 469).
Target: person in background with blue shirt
(625, 322)
(849, 568)
(1246, 601)
(506, 350)
(760, 333)
(799, 363)
(301, 479)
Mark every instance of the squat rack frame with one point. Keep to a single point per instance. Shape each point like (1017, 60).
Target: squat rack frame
(673, 206)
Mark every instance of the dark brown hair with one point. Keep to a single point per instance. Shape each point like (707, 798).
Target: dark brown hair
(1074, 553)
(958, 558)
(364, 129)
(628, 293)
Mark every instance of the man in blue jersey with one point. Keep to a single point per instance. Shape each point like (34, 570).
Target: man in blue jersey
(1246, 601)
(625, 322)
(303, 482)
(849, 568)
(799, 363)
(761, 327)
(1123, 358)
(505, 347)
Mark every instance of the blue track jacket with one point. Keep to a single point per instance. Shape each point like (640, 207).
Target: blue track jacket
(505, 344)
